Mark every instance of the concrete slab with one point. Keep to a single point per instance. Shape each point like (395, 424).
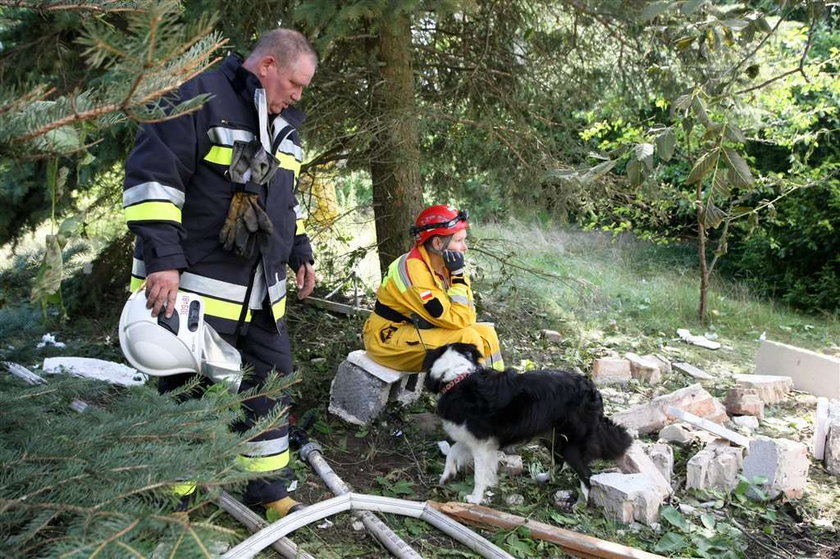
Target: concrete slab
(811, 372)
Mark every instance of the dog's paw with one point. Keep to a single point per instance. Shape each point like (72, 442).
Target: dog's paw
(444, 478)
(474, 499)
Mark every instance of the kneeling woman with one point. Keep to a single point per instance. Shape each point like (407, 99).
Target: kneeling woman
(425, 300)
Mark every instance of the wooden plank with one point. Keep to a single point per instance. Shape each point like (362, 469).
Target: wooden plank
(579, 545)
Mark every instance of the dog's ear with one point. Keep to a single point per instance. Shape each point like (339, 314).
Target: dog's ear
(470, 351)
(432, 355)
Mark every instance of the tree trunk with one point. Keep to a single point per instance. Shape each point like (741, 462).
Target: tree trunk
(395, 151)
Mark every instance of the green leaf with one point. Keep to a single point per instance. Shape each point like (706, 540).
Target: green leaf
(48, 281)
(700, 110)
(736, 24)
(665, 143)
(734, 133)
(740, 174)
(691, 6)
(708, 520)
(685, 42)
(712, 216)
(675, 517)
(644, 153)
(654, 9)
(762, 25)
(703, 165)
(681, 103)
(671, 542)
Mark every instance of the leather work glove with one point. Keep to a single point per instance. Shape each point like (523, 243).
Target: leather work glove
(246, 226)
(251, 163)
(454, 262)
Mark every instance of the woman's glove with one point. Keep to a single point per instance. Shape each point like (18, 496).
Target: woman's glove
(454, 262)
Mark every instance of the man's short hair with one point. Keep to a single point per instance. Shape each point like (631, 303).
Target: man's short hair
(285, 45)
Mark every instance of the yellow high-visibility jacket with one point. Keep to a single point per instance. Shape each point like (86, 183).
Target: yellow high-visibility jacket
(444, 311)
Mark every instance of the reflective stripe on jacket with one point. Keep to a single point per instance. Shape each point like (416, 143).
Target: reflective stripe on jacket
(177, 194)
(411, 287)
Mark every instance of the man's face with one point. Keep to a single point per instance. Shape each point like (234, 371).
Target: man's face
(284, 86)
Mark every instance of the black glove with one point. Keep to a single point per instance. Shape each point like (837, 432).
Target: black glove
(454, 262)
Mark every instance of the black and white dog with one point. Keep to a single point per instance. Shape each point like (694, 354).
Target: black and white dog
(484, 410)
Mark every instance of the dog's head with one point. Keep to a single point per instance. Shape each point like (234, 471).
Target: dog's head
(445, 363)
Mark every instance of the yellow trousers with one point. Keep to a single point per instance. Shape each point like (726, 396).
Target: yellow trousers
(402, 347)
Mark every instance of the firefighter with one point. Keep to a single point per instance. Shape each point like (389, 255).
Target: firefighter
(425, 300)
(210, 197)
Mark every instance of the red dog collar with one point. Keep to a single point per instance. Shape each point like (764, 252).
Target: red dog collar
(453, 382)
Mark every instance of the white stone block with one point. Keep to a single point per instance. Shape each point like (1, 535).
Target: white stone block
(636, 461)
(662, 455)
(715, 467)
(771, 389)
(820, 428)
(784, 463)
(652, 416)
(611, 370)
(693, 371)
(810, 371)
(627, 497)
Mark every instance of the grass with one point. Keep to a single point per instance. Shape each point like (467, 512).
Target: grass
(603, 293)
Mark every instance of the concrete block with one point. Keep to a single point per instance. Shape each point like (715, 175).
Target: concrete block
(627, 497)
(693, 371)
(646, 368)
(651, 417)
(832, 440)
(662, 455)
(679, 433)
(715, 467)
(746, 422)
(361, 388)
(636, 461)
(744, 401)
(784, 463)
(510, 464)
(820, 429)
(771, 388)
(810, 371)
(611, 370)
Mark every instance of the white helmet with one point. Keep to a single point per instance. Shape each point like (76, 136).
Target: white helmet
(182, 343)
(161, 346)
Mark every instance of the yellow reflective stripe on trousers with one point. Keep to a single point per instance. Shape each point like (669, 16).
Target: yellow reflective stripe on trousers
(183, 489)
(219, 154)
(300, 227)
(153, 211)
(263, 463)
(136, 283)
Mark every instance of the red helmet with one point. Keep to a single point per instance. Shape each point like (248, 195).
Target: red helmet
(438, 220)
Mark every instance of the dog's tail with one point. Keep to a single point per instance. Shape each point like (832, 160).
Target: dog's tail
(614, 439)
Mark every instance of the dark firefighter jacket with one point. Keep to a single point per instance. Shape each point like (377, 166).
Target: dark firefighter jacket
(177, 194)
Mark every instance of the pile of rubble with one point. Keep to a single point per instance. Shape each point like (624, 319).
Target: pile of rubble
(692, 415)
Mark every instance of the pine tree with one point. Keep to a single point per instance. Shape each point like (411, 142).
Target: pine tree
(78, 484)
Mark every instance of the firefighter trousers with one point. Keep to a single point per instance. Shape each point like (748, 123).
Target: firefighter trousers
(266, 348)
(401, 346)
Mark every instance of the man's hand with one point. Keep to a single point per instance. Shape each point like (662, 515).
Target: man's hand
(162, 289)
(454, 262)
(305, 280)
